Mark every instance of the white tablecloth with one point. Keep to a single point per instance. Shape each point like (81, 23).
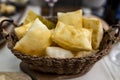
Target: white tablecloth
(8, 62)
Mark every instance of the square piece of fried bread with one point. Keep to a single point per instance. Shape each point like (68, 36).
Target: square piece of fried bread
(70, 38)
(35, 40)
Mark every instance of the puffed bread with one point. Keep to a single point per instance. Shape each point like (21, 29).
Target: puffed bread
(57, 52)
(20, 31)
(71, 18)
(70, 38)
(96, 25)
(35, 40)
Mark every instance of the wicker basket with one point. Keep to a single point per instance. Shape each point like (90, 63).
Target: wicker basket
(67, 65)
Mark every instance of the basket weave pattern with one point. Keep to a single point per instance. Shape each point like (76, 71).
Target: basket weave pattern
(68, 65)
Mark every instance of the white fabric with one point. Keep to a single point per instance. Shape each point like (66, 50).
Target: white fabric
(113, 68)
(8, 62)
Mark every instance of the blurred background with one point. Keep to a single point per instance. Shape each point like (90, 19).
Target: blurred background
(109, 10)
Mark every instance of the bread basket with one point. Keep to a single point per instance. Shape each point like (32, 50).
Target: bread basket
(67, 65)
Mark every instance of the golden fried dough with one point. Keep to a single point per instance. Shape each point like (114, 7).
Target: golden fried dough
(71, 18)
(70, 38)
(96, 25)
(20, 31)
(35, 40)
(57, 52)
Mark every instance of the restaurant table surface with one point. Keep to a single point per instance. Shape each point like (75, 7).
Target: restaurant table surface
(102, 70)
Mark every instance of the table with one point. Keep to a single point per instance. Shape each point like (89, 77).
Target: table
(102, 70)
